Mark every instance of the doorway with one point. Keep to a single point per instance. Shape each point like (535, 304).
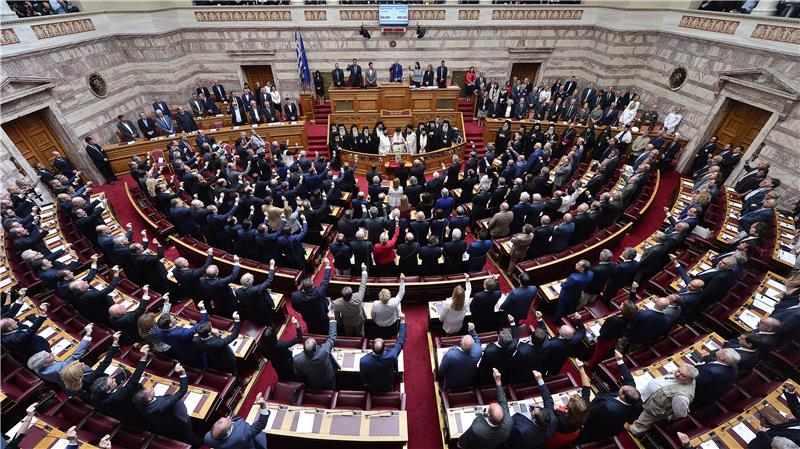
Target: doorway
(34, 138)
(524, 70)
(258, 74)
(741, 124)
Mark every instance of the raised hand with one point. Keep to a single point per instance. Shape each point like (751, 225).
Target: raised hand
(88, 329)
(235, 316)
(179, 369)
(115, 338)
(470, 327)
(496, 375)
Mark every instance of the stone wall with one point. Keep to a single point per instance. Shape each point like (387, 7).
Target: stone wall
(138, 68)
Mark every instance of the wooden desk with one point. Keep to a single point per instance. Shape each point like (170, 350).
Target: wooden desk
(459, 419)
(62, 343)
(334, 425)
(42, 435)
(7, 278)
(593, 326)
(242, 347)
(740, 430)
(733, 210)
(783, 255)
(395, 97)
(669, 364)
(349, 358)
(433, 309)
(198, 401)
(119, 154)
(760, 304)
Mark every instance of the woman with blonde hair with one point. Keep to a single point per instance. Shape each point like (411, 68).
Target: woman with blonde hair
(385, 311)
(570, 422)
(454, 308)
(151, 184)
(405, 208)
(78, 376)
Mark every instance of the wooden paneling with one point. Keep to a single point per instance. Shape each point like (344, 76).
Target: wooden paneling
(394, 97)
(258, 74)
(524, 70)
(741, 125)
(34, 138)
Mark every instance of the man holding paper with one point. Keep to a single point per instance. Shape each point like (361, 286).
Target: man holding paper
(236, 433)
(167, 412)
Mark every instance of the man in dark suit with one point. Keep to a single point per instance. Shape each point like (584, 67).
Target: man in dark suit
(747, 346)
(185, 120)
(236, 433)
(533, 432)
(601, 273)
(218, 90)
(379, 368)
(762, 214)
(355, 78)
(787, 311)
(789, 428)
(147, 126)
(189, 278)
(167, 414)
(571, 290)
(362, 252)
(716, 376)
(609, 117)
(93, 304)
(541, 238)
(290, 110)
(217, 291)
(441, 75)
(337, 76)
(482, 306)
(453, 252)
(256, 300)
(623, 275)
(564, 346)
(100, 159)
(650, 324)
(609, 412)
(519, 300)
(459, 364)
(529, 356)
(147, 269)
(218, 355)
(113, 399)
(498, 355)
(126, 128)
(316, 364)
(562, 234)
(570, 86)
(161, 105)
(589, 95)
(490, 430)
(238, 115)
(311, 302)
(126, 322)
(23, 339)
(653, 259)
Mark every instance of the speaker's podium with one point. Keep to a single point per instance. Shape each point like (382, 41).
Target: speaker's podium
(394, 96)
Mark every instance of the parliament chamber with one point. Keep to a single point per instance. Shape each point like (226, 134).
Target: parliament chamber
(412, 225)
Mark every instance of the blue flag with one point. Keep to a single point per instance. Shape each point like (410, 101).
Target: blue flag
(302, 60)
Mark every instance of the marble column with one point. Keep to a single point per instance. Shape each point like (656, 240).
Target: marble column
(6, 13)
(765, 8)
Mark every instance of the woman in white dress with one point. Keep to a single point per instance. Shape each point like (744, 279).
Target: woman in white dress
(454, 308)
(629, 113)
(275, 98)
(395, 193)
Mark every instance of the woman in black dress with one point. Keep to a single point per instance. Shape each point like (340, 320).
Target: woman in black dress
(427, 77)
(319, 88)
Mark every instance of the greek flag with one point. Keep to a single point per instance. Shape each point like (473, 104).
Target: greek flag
(302, 60)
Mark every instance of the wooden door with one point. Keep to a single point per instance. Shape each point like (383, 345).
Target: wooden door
(524, 70)
(34, 138)
(459, 78)
(741, 125)
(258, 74)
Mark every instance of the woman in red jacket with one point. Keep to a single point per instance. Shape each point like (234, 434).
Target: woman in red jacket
(384, 253)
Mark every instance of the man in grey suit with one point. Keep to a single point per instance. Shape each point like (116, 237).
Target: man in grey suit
(45, 365)
(236, 433)
(315, 363)
(493, 428)
(348, 310)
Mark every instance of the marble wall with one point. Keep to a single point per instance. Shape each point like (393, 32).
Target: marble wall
(138, 68)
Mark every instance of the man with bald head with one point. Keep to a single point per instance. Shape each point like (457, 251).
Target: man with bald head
(236, 433)
(93, 304)
(716, 376)
(315, 364)
(189, 278)
(609, 412)
(256, 300)
(125, 321)
(493, 427)
(379, 368)
(459, 364)
(217, 290)
(690, 296)
(665, 398)
(564, 346)
(650, 324)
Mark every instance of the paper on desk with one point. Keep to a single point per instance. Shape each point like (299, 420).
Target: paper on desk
(787, 225)
(772, 293)
(732, 228)
(305, 423)
(5, 282)
(642, 380)
(234, 345)
(787, 257)
(191, 400)
(466, 418)
(61, 443)
(52, 240)
(271, 418)
(13, 431)
(110, 369)
(671, 367)
(766, 299)
(60, 347)
(160, 389)
(749, 318)
(47, 332)
(744, 432)
(762, 306)
(711, 345)
(776, 285)
(710, 444)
